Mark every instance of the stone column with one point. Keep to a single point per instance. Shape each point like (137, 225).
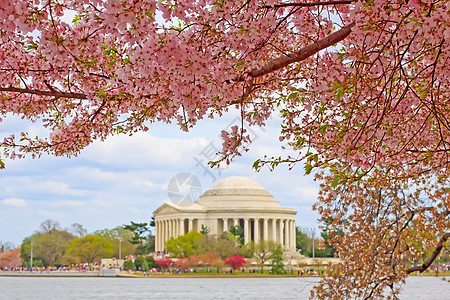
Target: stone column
(274, 230)
(166, 231)
(256, 230)
(235, 222)
(175, 227)
(293, 235)
(288, 233)
(182, 232)
(281, 233)
(191, 224)
(246, 231)
(156, 236)
(172, 228)
(225, 225)
(164, 235)
(161, 236)
(266, 229)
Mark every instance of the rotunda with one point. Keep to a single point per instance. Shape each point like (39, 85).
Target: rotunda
(229, 202)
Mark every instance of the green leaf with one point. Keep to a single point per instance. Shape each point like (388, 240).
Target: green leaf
(308, 169)
(293, 95)
(341, 55)
(256, 164)
(119, 129)
(335, 183)
(339, 93)
(32, 45)
(2, 164)
(148, 13)
(76, 19)
(323, 128)
(101, 94)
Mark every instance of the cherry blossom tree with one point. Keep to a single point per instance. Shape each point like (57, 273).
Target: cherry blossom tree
(165, 263)
(236, 262)
(361, 86)
(10, 259)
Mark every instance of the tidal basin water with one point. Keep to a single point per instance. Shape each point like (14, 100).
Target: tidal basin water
(190, 288)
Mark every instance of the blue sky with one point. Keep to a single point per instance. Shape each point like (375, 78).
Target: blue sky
(125, 178)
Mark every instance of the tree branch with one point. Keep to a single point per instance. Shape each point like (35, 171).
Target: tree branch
(53, 93)
(303, 4)
(302, 54)
(432, 257)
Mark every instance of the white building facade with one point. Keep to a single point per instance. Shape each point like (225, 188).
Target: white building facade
(229, 202)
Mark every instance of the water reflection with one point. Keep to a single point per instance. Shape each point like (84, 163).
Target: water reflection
(189, 288)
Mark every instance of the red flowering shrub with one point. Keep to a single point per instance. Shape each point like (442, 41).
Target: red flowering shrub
(165, 263)
(236, 262)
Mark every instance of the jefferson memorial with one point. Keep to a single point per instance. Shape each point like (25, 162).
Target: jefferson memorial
(231, 201)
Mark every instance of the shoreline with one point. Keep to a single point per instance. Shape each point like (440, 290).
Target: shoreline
(168, 275)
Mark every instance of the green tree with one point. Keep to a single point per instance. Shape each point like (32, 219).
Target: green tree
(224, 246)
(247, 250)
(89, 249)
(25, 250)
(152, 222)
(302, 241)
(263, 252)
(78, 230)
(143, 237)
(277, 260)
(144, 266)
(151, 261)
(147, 246)
(184, 245)
(139, 230)
(205, 230)
(238, 232)
(129, 265)
(139, 261)
(49, 246)
(119, 238)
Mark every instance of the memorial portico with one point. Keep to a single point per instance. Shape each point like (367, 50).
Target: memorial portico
(229, 202)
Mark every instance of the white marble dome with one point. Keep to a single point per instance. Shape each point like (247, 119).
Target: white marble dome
(236, 185)
(237, 191)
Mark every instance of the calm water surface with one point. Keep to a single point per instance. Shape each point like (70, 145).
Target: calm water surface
(190, 288)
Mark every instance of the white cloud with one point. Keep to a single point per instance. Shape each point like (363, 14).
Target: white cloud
(142, 150)
(68, 204)
(57, 188)
(50, 214)
(307, 192)
(14, 202)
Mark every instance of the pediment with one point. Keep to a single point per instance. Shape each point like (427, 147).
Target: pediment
(166, 208)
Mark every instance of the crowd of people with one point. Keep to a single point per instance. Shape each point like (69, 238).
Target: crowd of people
(86, 267)
(95, 267)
